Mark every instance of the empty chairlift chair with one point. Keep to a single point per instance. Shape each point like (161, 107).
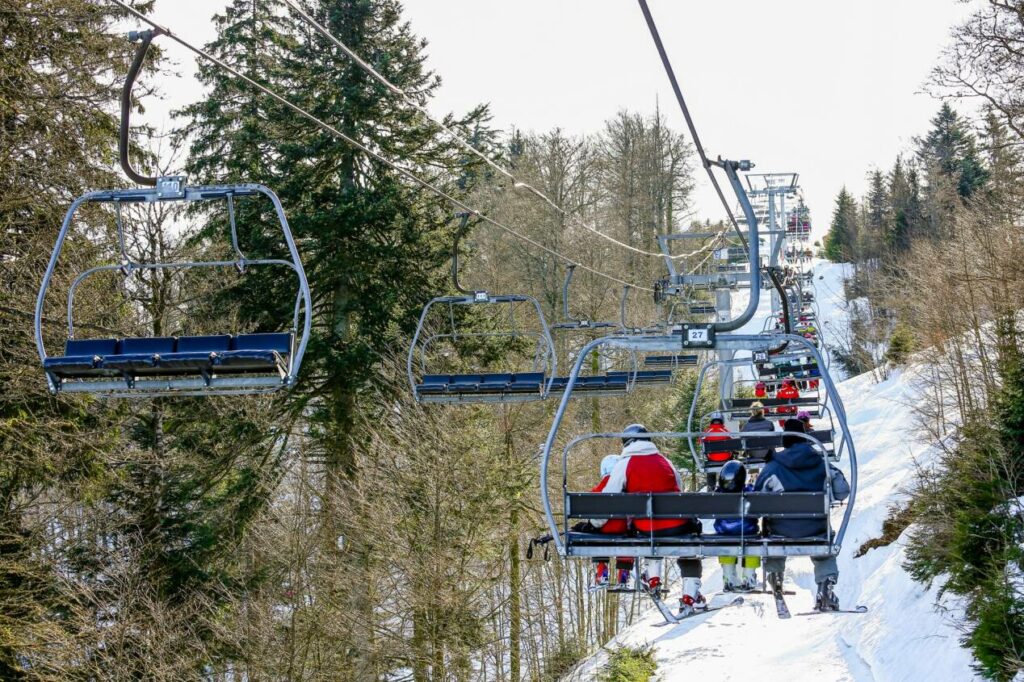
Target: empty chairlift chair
(228, 363)
(457, 328)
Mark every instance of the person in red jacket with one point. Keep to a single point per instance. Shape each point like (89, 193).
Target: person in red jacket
(624, 565)
(717, 426)
(642, 469)
(760, 390)
(789, 391)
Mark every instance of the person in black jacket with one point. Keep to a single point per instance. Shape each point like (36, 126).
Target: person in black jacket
(757, 422)
(798, 468)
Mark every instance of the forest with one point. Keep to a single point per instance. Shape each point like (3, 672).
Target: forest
(341, 530)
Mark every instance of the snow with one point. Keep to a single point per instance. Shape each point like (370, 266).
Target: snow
(906, 634)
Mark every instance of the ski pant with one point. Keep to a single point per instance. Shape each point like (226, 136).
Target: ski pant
(622, 562)
(688, 567)
(748, 561)
(824, 567)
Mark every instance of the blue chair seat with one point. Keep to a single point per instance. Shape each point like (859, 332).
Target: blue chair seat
(526, 382)
(195, 353)
(81, 358)
(139, 355)
(435, 383)
(255, 353)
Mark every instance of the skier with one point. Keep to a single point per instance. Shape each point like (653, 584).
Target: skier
(733, 479)
(757, 422)
(798, 468)
(760, 390)
(642, 469)
(717, 426)
(789, 391)
(805, 417)
(624, 565)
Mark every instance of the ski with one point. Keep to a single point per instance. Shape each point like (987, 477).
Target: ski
(780, 605)
(612, 589)
(788, 593)
(666, 612)
(859, 609)
(679, 619)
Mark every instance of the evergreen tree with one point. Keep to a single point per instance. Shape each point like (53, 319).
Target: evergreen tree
(949, 153)
(841, 240)
(60, 64)
(904, 198)
(876, 216)
(372, 242)
(1005, 163)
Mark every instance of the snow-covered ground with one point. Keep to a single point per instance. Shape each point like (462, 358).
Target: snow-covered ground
(902, 637)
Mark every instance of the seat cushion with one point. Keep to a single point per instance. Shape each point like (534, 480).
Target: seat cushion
(255, 353)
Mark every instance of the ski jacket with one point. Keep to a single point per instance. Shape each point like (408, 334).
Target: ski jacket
(643, 469)
(788, 392)
(717, 456)
(758, 424)
(611, 526)
(737, 526)
(797, 469)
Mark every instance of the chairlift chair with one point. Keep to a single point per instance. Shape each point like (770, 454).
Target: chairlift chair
(229, 363)
(433, 340)
(702, 505)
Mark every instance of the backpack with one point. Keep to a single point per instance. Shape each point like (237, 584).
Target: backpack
(840, 486)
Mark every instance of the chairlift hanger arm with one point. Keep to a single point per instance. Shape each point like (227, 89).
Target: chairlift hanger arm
(459, 234)
(144, 38)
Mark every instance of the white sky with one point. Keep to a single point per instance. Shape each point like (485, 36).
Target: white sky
(825, 88)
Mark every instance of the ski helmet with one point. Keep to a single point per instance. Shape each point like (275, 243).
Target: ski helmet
(792, 425)
(634, 429)
(717, 417)
(732, 478)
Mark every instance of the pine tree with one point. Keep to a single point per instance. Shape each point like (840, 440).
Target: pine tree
(1004, 161)
(949, 152)
(841, 240)
(904, 218)
(58, 131)
(876, 215)
(371, 241)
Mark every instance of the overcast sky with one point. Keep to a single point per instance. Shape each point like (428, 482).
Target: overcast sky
(824, 88)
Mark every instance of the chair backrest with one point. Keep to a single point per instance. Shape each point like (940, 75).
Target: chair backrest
(198, 344)
(99, 347)
(147, 345)
(280, 342)
(700, 505)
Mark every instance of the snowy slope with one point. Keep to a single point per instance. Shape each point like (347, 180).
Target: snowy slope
(902, 637)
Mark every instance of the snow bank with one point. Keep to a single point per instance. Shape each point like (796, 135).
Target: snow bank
(903, 637)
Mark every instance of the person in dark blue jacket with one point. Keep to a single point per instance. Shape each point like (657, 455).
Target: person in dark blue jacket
(733, 479)
(798, 468)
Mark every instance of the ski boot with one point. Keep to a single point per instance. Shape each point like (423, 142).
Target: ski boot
(692, 600)
(729, 580)
(775, 582)
(749, 581)
(826, 599)
(652, 584)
